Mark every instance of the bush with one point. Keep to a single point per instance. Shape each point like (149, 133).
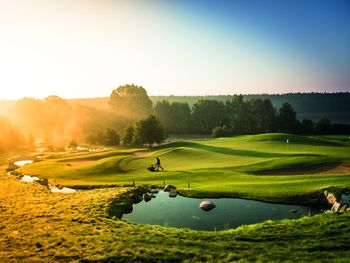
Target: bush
(221, 131)
(109, 138)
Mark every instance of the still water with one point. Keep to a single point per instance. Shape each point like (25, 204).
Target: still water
(184, 212)
(24, 162)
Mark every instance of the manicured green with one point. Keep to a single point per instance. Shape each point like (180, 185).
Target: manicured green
(215, 167)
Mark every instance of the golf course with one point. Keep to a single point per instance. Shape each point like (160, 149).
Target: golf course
(261, 167)
(37, 225)
(175, 131)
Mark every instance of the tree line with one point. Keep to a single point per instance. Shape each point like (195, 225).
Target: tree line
(129, 116)
(235, 116)
(238, 116)
(313, 102)
(11, 138)
(315, 105)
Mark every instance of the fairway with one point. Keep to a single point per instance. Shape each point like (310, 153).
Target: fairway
(261, 167)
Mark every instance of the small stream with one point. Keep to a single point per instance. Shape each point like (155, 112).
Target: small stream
(184, 212)
(23, 162)
(30, 179)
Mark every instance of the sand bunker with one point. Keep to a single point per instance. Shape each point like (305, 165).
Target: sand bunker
(324, 168)
(80, 163)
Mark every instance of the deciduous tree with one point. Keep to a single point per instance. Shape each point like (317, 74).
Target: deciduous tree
(148, 131)
(131, 101)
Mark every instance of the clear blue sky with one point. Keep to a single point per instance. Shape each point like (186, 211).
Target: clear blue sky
(86, 48)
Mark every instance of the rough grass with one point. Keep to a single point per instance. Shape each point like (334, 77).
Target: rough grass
(38, 226)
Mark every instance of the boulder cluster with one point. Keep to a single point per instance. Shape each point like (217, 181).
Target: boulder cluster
(171, 189)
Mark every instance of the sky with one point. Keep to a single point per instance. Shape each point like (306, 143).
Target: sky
(87, 48)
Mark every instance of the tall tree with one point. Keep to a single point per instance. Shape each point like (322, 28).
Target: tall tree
(148, 131)
(307, 126)
(175, 117)
(180, 117)
(208, 114)
(111, 137)
(163, 111)
(287, 119)
(128, 136)
(263, 115)
(10, 137)
(323, 126)
(237, 115)
(131, 101)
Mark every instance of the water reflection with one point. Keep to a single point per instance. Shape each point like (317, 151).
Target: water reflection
(184, 212)
(29, 179)
(55, 189)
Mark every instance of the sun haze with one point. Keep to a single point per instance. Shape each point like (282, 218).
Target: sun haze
(87, 48)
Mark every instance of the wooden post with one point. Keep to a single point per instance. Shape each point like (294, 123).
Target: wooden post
(188, 185)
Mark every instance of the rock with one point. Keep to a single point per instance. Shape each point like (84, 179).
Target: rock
(11, 167)
(331, 197)
(127, 208)
(293, 211)
(154, 191)
(15, 172)
(207, 205)
(152, 195)
(44, 182)
(147, 197)
(140, 190)
(172, 194)
(343, 208)
(169, 188)
(136, 198)
(335, 207)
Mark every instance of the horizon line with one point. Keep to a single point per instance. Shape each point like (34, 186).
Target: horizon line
(172, 95)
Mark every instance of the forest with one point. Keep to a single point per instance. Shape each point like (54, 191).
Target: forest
(54, 121)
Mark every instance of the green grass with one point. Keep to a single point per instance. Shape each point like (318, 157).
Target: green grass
(36, 226)
(216, 167)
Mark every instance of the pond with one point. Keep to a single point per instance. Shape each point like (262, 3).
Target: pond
(345, 198)
(184, 212)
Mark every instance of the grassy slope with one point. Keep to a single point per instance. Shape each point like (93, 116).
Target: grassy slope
(36, 226)
(217, 167)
